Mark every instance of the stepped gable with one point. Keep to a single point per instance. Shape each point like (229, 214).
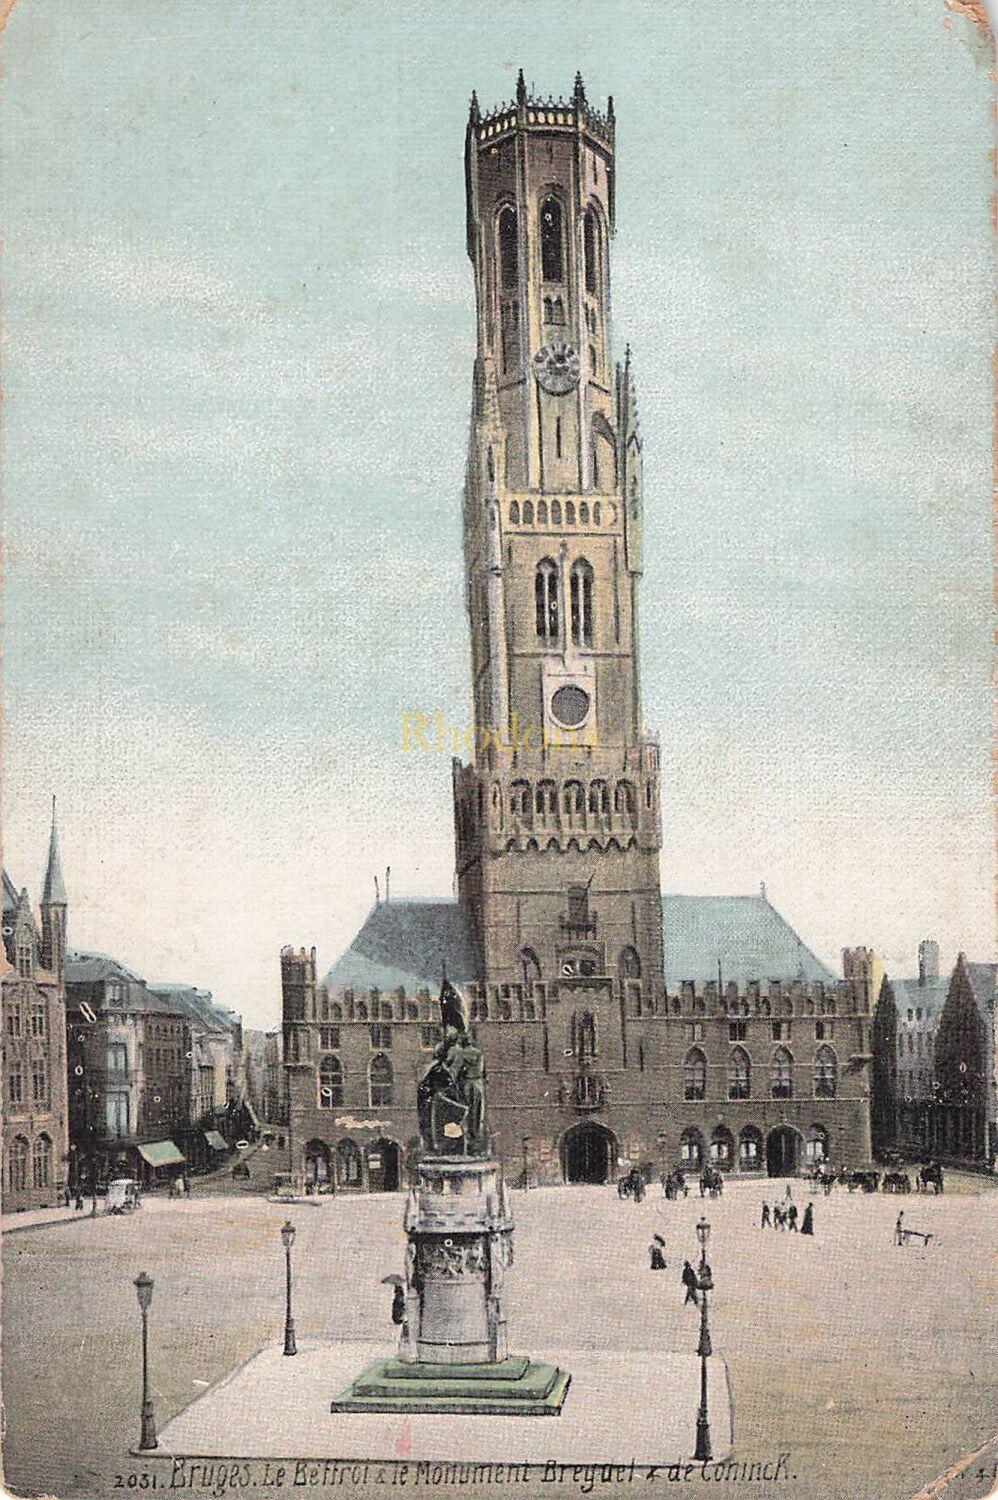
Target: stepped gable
(403, 943)
(744, 934)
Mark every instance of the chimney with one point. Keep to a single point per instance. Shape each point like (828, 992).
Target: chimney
(928, 960)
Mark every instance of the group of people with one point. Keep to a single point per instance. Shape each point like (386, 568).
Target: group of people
(784, 1215)
(656, 1251)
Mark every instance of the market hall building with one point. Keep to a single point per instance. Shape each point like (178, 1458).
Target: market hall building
(617, 1025)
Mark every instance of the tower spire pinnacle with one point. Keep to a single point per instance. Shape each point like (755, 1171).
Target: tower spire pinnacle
(521, 88)
(54, 890)
(580, 90)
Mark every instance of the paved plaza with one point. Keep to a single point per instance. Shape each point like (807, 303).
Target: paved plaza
(871, 1367)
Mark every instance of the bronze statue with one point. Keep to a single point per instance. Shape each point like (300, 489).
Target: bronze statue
(450, 1096)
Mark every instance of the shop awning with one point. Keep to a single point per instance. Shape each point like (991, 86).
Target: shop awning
(216, 1141)
(161, 1154)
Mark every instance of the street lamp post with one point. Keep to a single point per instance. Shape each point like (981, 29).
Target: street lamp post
(147, 1440)
(526, 1163)
(705, 1282)
(287, 1240)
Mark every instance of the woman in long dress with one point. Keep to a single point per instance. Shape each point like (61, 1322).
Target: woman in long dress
(807, 1223)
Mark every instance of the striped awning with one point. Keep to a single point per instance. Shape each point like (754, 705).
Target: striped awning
(161, 1154)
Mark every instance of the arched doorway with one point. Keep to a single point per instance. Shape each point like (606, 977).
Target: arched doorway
(588, 1152)
(781, 1152)
(383, 1166)
(349, 1168)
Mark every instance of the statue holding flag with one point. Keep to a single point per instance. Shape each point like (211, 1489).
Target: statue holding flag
(450, 1097)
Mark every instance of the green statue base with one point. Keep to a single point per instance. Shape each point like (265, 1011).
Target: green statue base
(516, 1386)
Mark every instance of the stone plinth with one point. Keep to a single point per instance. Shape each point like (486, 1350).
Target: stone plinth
(453, 1354)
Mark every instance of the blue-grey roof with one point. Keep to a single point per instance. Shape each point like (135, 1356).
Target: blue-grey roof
(930, 997)
(405, 943)
(91, 968)
(744, 935)
(983, 977)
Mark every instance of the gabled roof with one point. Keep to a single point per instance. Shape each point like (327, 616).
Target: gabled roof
(983, 979)
(744, 936)
(405, 943)
(197, 1005)
(9, 893)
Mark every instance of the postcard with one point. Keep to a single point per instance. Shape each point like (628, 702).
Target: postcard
(499, 878)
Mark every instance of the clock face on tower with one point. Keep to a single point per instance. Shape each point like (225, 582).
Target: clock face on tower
(556, 368)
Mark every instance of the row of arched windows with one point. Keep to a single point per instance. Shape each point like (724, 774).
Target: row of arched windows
(380, 1082)
(556, 515)
(781, 1078)
(38, 1154)
(552, 246)
(750, 1151)
(542, 800)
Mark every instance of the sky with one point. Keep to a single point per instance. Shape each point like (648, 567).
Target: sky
(238, 350)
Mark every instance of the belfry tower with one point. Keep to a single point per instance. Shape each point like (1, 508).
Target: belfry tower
(557, 819)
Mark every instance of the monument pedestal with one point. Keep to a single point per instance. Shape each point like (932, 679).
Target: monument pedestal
(453, 1354)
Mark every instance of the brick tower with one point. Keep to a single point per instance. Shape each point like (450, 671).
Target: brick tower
(557, 819)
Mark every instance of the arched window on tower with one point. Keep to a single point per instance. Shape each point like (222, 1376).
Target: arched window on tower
(630, 964)
(581, 598)
(584, 1035)
(552, 249)
(546, 600)
(508, 248)
(555, 512)
(590, 231)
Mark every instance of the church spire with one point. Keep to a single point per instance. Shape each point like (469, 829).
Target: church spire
(54, 891)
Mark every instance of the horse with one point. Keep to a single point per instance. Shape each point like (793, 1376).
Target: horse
(896, 1182)
(932, 1176)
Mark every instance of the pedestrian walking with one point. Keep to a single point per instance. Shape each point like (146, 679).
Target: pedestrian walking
(792, 1217)
(187, 1186)
(766, 1219)
(690, 1283)
(398, 1305)
(78, 1205)
(807, 1223)
(779, 1217)
(656, 1250)
(66, 1196)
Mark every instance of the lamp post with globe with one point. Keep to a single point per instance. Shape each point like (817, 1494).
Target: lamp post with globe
(147, 1440)
(287, 1240)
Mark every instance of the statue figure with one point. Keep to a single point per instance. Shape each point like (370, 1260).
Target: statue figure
(450, 1096)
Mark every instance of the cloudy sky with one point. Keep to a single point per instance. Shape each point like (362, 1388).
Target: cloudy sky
(239, 336)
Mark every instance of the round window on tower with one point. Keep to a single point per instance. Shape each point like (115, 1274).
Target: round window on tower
(570, 706)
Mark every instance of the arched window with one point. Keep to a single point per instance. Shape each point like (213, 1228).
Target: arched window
(691, 1149)
(17, 1171)
(330, 1082)
(590, 232)
(630, 964)
(41, 1162)
(596, 513)
(381, 1081)
(581, 599)
(514, 512)
(782, 1074)
(555, 512)
(625, 800)
(584, 1035)
(546, 600)
(508, 248)
(584, 514)
(599, 799)
(542, 512)
(569, 513)
(574, 799)
(336, 1011)
(509, 326)
(825, 1073)
(361, 1010)
(552, 250)
(816, 1145)
(528, 513)
(545, 799)
(738, 1074)
(722, 1147)
(750, 1149)
(504, 1010)
(519, 798)
(695, 1075)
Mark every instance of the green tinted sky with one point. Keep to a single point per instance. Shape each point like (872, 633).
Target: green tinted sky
(239, 334)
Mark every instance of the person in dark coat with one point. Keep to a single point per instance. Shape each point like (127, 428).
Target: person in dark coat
(398, 1305)
(807, 1223)
(779, 1217)
(792, 1217)
(657, 1252)
(690, 1283)
(766, 1220)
